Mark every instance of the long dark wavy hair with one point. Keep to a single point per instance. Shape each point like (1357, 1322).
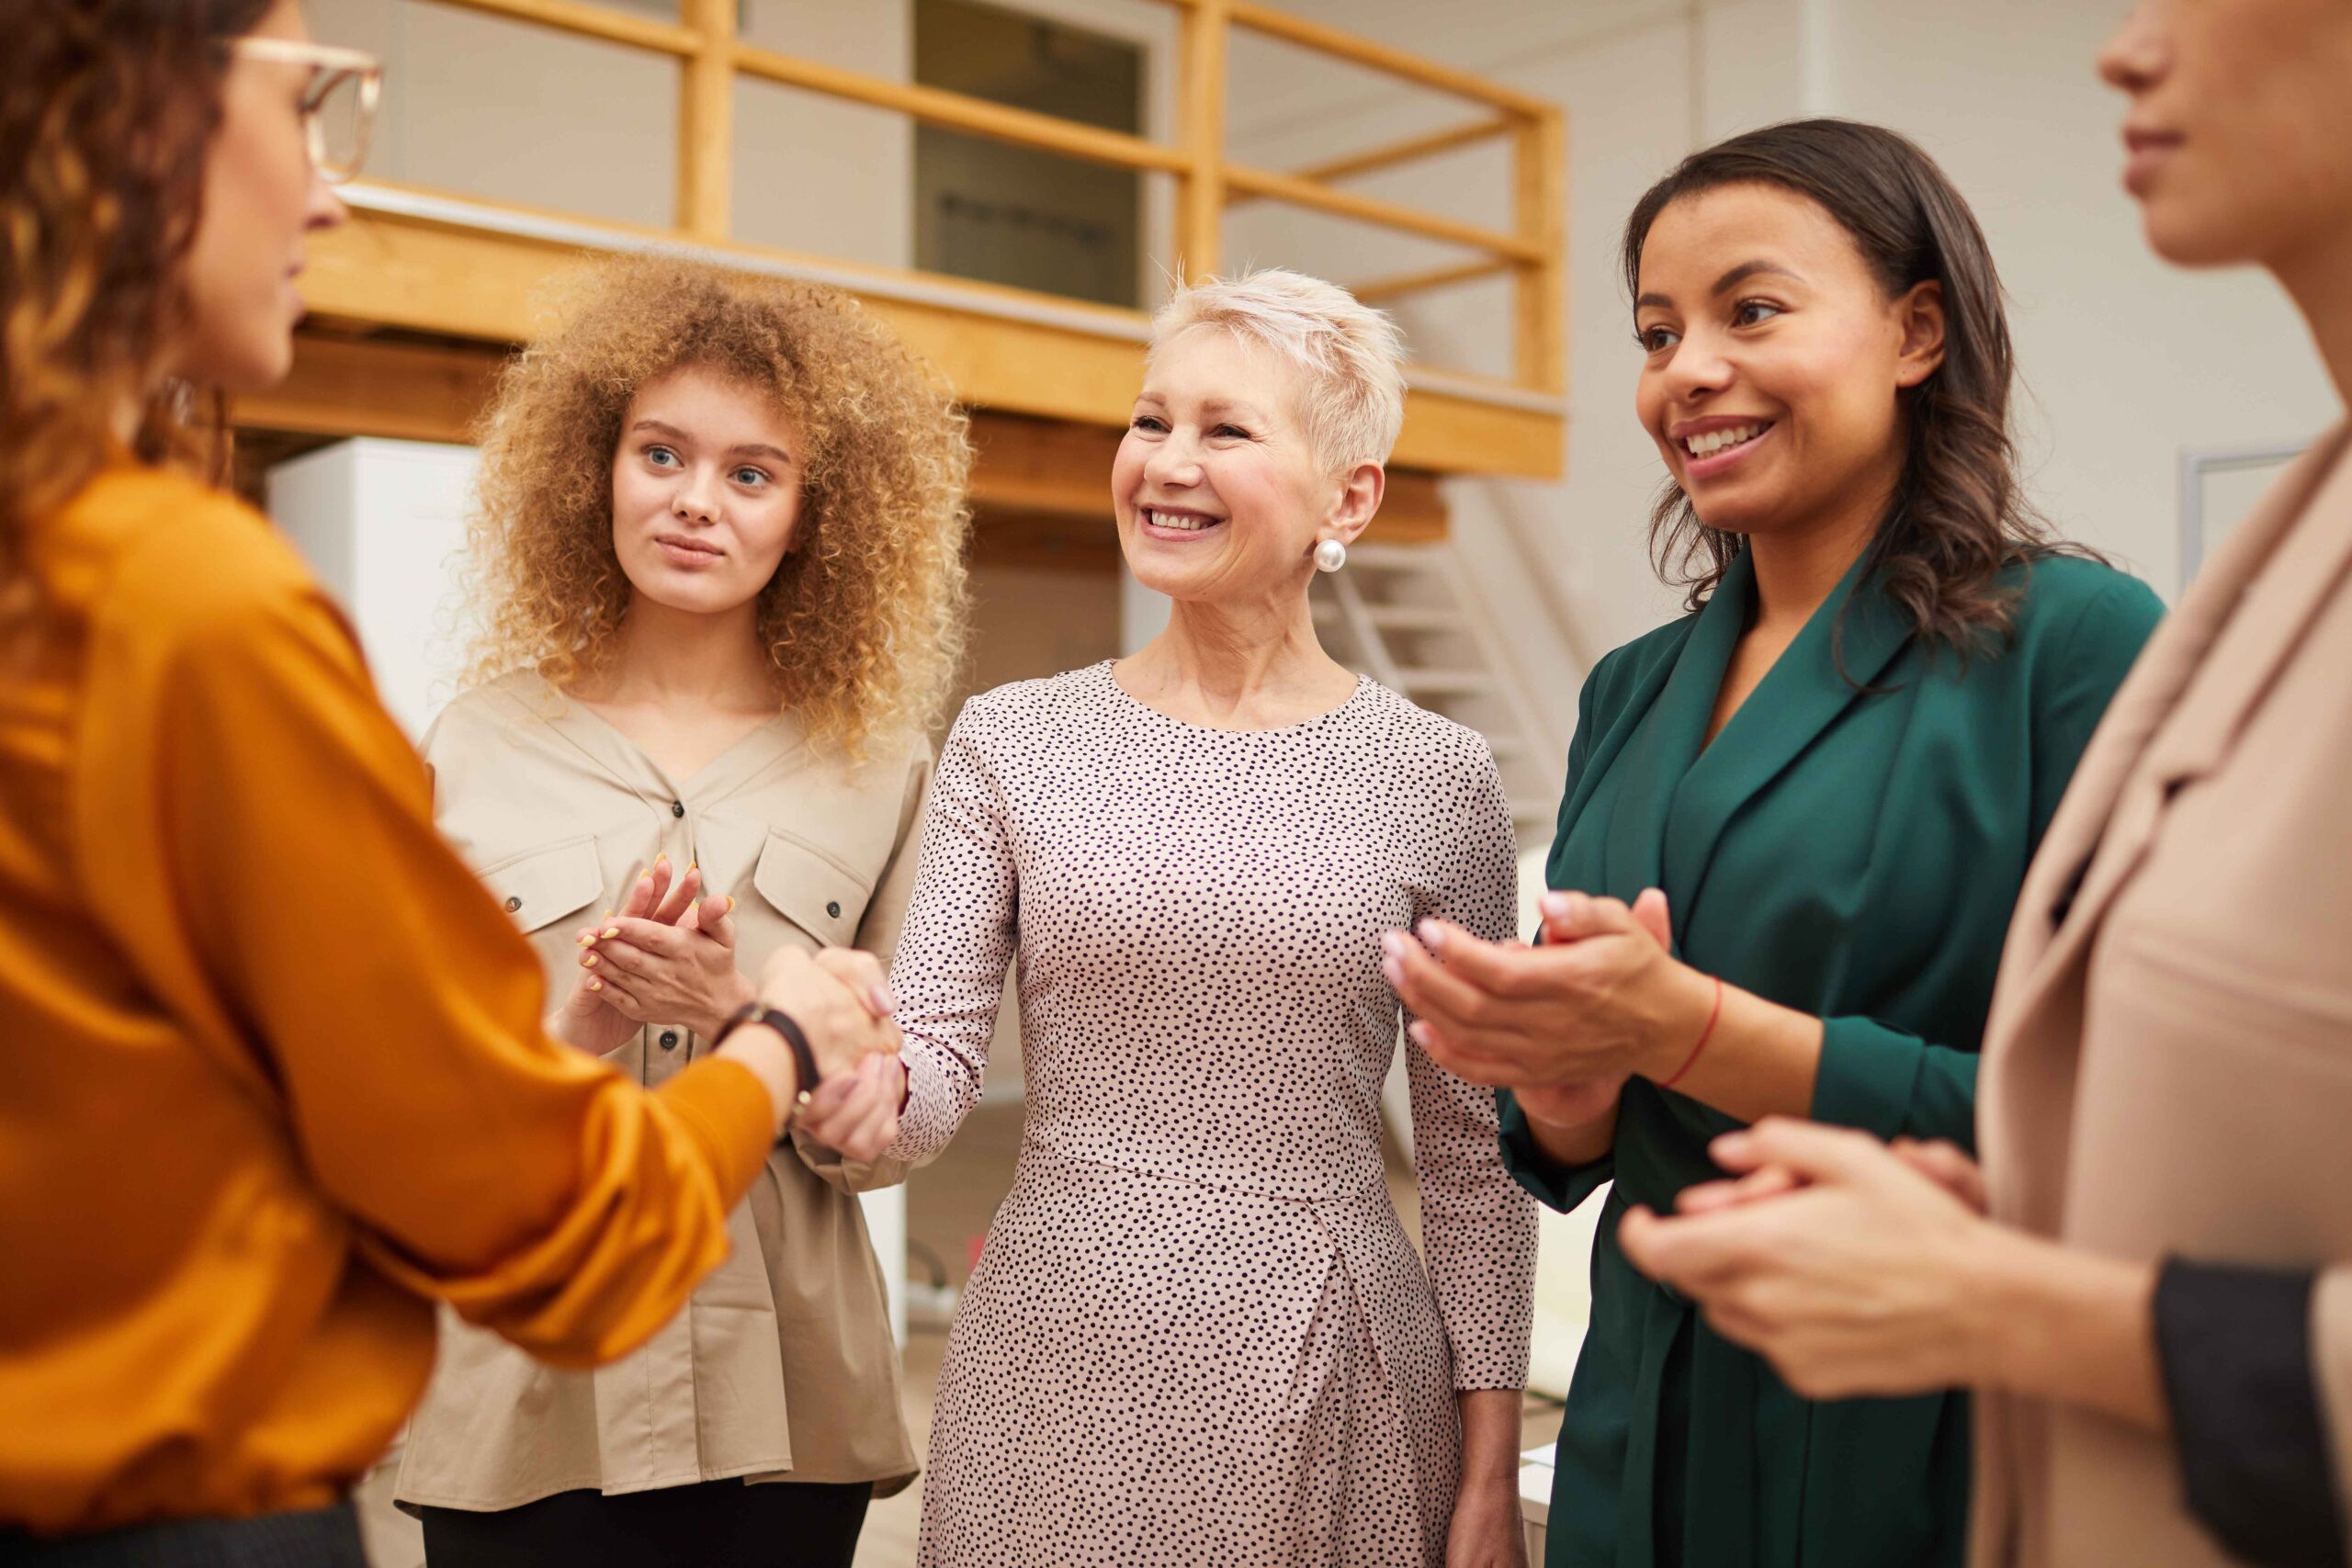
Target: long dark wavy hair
(1959, 516)
(107, 107)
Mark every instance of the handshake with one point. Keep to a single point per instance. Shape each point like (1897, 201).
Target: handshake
(667, 956)
(842, 1004)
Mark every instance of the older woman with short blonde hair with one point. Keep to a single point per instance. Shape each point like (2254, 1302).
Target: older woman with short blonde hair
(1197, 1332)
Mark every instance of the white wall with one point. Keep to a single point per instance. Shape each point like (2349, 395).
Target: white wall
(2126, 361)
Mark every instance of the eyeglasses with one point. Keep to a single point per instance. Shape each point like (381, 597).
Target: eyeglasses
(339, 103)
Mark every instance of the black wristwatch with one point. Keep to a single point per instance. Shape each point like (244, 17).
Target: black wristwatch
(804, 1060)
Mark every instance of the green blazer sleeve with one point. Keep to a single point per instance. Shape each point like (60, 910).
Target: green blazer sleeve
(1891, 1083)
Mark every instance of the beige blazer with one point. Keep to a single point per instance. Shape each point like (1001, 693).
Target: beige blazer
(2168, 1069)
(782, 1367)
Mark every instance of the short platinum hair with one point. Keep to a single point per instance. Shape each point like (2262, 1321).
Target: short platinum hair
(1346, 353)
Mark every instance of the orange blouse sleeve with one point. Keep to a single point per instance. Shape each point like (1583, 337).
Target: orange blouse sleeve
(257, 833)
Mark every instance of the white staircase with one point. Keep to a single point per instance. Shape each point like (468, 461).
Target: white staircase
(1408, 617)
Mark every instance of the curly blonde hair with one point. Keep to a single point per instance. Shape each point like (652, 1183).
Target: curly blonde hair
(864, 621)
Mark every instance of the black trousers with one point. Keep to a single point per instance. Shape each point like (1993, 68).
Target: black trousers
(328, 1537)
(713, 1523)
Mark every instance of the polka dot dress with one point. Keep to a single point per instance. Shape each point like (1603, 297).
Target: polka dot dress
(1197, 1333)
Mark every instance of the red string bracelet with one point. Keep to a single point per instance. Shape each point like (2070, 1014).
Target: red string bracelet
(1704, 1035)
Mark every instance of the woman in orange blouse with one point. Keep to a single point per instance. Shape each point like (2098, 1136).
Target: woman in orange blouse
(278, 1077)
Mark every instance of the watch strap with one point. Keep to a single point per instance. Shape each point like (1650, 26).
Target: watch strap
(804, 1058)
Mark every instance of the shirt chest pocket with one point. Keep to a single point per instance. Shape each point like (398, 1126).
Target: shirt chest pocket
(811, 889)
(540, 887)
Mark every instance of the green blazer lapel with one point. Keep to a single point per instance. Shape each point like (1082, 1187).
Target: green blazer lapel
(1822, 672)
(1661, 753)
(1622, 730)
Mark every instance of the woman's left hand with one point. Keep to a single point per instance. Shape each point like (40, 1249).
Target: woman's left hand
(1488, 1531)
(1849, 1267)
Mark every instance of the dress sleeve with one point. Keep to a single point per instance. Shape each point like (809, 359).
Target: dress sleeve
(1561, 1187)
(877, 934)
(258, 835)
(1888, 1082)
(962, 928)
(2245, 1389)
(1478, 1228)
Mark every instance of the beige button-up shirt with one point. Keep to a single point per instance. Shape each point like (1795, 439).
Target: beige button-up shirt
(782, 1367)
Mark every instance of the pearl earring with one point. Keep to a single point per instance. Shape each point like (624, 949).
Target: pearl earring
(1331, 556)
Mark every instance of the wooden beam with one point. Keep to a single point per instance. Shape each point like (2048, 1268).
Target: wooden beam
(707, 121)
(590, 21)
(1412, 147)
(1539, 318)
(1201, 195)
(961, 111)
(1403, 282)
(449, 280)
(1387, 214)
(1396, 62)
(344, 387)
(1040, 486)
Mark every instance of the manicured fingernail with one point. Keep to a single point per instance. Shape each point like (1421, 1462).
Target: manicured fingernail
(694, 865)
(645, 876)
(1431, 932)
(1419, 1031)
(588, 961)
(609, 914)
(1392, 971)
(612, 931)
(595, 985)
(662, 859)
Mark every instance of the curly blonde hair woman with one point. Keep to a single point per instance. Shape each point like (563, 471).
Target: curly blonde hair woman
(719, 549)
(865, 622)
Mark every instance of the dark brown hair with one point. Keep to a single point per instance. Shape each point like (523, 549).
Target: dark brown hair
(106, 110)
(1958, 517)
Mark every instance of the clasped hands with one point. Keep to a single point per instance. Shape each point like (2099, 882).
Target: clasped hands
(1564, 1025)
(667, 956)
(1855, 1267)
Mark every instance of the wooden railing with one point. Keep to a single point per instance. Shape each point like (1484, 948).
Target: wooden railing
(1533, 250)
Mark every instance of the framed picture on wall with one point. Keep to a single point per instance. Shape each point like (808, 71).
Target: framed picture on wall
(2219, 486)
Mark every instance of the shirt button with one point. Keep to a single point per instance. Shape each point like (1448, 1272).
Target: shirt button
(833, 909)
(677, 808)
(512, 905)
(669, 1040)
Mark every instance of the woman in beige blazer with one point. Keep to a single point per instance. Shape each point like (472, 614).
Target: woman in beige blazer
(719, 543)
(2151, 1279)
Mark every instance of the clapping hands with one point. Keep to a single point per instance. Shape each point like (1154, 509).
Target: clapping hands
(667, 956)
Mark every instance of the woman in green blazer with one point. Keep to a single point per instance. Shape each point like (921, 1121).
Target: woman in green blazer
(1796, 820)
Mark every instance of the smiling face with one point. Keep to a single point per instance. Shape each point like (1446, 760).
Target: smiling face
(1219, 492)
(2239, 139)
(1774, 359)
(261, 198)
(706, 492)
